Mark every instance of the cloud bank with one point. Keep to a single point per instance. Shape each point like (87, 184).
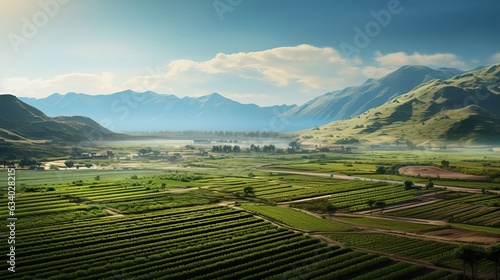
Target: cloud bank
(280, 75)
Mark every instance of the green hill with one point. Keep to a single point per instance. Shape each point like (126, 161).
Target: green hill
(460, 110)
(19, 120)
(26, 131)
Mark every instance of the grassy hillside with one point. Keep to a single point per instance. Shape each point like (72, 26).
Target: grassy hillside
(27, 132)
(461, 110)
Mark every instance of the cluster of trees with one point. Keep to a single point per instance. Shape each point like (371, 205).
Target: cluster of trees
(221, 133)
(266, 149)
(389, 170)
(471, 255)
(70, 163)
(226, 149)
(236, 149)
(27, 162)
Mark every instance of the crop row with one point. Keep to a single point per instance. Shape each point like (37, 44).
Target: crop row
(87, 226)
(68, 241)
(457, 210)
(432, 251)
(206, 242)
(296, 218)
(172, 249)
(305, 192)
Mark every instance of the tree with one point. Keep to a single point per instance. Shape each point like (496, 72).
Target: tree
(88, 165)
(429, 185)
(216, 149)
(381, 170)
(370, 203)
(408, 184)
(294, 145)
(69, 163)
(27, 162)
(254, 148)
(381, 205)
(248, 191)
(143, 151)
(471, 255)
(494, 256)
(445, 163)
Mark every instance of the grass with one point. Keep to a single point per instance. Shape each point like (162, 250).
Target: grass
(295, 218)
(389, 224)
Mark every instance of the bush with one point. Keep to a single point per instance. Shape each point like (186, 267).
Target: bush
(408, 184)
(429, 185)
(134, 177)
(381, 170)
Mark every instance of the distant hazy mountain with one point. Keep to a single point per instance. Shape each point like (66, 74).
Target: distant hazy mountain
(463, 109)
(355, 100)
(150, 111)
(20, 121)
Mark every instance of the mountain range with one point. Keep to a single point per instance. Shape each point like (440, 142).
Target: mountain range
(150, 111)
(462, 110)
(414, 104)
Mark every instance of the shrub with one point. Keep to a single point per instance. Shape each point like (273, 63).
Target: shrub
(381, 170)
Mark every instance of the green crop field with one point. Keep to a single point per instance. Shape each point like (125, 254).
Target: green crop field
(389, 224)
(296, 218)
(479, 209)
(435, 252)
(201, 242)
(172, 222)
(279, 188)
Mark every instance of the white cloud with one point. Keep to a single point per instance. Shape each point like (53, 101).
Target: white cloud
(495, 58)
(77, 82)
(304, 68)
(288, 75)
(399, 59)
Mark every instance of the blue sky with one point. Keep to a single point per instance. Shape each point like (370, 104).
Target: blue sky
(253, 51)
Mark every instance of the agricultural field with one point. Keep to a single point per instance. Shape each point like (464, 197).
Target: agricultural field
(282, 188)
(296, 219)
(206, 241)
(387, 224)
(480, 209)
(240, 217)
(437, 253)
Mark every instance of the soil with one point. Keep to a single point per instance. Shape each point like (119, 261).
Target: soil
(462, 235)
(434, 172)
